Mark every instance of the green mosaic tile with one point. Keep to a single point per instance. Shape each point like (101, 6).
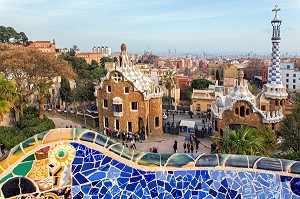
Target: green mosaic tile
(29, 158)
(6, 177)
(29, 144)
(23, 169)
(41, 136)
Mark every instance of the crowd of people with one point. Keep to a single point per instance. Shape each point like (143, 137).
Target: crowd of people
(127, 137)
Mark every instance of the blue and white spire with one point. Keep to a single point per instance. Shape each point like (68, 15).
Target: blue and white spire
(275, 75)
(274, 87)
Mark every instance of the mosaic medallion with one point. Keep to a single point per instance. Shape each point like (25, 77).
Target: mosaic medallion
(62, 154)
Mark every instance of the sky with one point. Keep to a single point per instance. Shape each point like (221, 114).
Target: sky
(189, 26)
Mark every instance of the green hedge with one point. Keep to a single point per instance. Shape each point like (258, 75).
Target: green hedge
(29, 125)
(290, 156)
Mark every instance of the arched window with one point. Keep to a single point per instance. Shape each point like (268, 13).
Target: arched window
(237, 111)
(276, 102)
(281, 102)
(247, 111)
(242, 111)
(273, 127)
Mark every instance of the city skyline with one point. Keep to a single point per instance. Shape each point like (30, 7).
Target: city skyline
(187, 26)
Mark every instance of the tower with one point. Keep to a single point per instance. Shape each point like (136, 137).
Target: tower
(274, 89)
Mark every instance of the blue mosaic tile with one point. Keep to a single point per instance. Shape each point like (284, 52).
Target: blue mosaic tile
(295, 186)
(98, 176)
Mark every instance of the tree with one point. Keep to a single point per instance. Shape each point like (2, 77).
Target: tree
(201, 83)
(7, 95)
(243, 141)
(212, 72)
(290, 129)
(30, 69)
(10, 35)
(253, 89)
(94, 64)
(170, 82)
(65, 92)
(43, 89)
(218, 77)
(73, 50)
(105, 59)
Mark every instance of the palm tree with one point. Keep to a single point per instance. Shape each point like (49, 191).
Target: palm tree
(170, 81)
(243, 141)
(7, 95)
(43, 89)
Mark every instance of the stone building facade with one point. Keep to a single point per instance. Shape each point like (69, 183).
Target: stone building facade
(129, 101)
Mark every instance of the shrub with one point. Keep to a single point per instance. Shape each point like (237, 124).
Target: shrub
(29, 125)
(293, 155)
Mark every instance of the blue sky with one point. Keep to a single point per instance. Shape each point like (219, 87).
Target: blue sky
(190, 26)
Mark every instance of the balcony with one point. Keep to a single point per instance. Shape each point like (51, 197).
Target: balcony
(118, 114)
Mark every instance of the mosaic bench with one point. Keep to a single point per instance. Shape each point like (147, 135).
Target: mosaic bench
(80, 163)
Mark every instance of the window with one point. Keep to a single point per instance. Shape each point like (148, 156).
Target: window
(129, 126)
(276, 102)
(247, 111)
(108, 89)
(294, 80)
(117, 124)
(105, 103)
(263, 108)
(287, 75)
(294, 86)
(126, 89)
(273, 126)
(242, 111)
(288, 66)
(157, 121)
(287, 80)
(197, 107)
(134, 106)
(294, 75)
(237, 111)
(106, 122)
(118, 108)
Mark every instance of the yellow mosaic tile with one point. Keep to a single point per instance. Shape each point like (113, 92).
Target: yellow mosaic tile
(52, 136)
(66, 134)
(15, 154)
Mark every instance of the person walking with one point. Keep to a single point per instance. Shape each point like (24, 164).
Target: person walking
(184, 147)
(192, 148)
(175, 146)
(197, 142)
(2, 148)
(188, 147)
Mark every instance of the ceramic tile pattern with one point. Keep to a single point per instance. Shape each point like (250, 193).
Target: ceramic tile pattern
(89, 165)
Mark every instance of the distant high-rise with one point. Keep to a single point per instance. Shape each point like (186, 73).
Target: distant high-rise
(106, 51)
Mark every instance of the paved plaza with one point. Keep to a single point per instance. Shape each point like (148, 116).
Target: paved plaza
(163, 143)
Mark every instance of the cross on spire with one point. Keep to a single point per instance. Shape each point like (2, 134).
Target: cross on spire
(276, 10)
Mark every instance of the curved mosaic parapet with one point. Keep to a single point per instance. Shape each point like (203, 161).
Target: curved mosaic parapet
(80, 163)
